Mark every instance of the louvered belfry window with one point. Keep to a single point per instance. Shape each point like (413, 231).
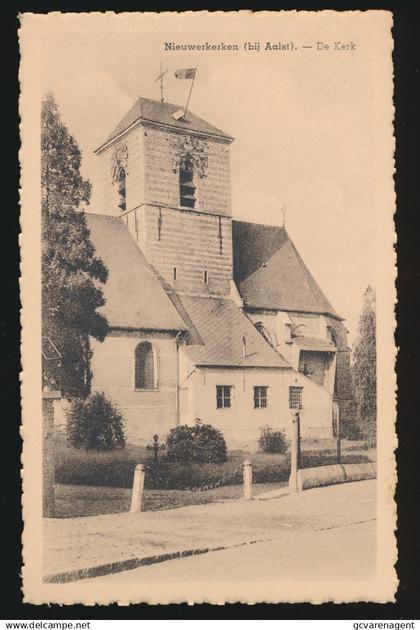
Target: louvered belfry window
(145, 366)
(122, 193)
(186, 183)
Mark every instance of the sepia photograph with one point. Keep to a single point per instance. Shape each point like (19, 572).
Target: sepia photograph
(208, 307)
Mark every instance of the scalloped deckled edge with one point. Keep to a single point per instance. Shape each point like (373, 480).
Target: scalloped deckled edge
(37, 592)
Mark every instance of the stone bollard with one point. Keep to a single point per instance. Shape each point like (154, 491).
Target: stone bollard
(138, 485)
(294, 453)
(247, 473)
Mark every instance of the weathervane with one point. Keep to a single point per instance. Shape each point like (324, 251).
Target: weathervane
(160, 78)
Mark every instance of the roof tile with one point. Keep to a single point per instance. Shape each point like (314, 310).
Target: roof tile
(222, 327)
(149, 110)
(134, 296)
(269, 272)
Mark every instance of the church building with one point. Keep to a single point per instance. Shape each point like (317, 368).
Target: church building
(210, 318)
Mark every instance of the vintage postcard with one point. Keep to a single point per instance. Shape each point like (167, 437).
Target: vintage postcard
(207, 279)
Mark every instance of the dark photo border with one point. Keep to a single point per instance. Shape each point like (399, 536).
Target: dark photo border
(406, 32)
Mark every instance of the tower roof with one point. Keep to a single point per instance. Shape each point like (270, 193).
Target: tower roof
(269, 272)
(148, 110)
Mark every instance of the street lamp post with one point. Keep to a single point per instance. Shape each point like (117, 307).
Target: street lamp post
(294, 451)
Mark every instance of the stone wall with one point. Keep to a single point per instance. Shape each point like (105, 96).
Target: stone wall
(155, 411)
(241, 424)
(146, 411)
(48, 491)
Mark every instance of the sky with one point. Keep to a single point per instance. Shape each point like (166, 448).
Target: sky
(302, 123)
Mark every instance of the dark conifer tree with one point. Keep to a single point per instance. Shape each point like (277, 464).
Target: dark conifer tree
(72, 275)
(364, 369)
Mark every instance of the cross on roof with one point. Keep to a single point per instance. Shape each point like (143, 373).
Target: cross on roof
(283, 212)
(160, 78)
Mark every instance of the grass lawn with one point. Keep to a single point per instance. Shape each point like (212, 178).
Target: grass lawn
(91, 483)
(115, 469)
(73, 501)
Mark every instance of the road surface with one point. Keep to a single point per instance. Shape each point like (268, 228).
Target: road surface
(344, 550)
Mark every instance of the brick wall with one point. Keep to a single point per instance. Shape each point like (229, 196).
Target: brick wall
(161, 182)
(191, 242)
(108, 194)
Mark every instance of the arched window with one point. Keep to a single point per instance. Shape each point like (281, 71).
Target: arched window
(121, 183)
(186, 183)
(332, 335)
(268, 336)
(145, 366)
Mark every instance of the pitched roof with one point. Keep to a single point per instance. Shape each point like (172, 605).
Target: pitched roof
(269, 273)
(219, 328)
(134, 296)
(316, 344)
(146, 109)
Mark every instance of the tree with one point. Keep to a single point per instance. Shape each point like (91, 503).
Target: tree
(71, 274)
(364, 369)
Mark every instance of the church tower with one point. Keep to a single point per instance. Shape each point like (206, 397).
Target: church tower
(168, 178)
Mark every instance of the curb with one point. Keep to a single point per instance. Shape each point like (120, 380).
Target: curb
(122, 565)
(321, 476)
(134, 563)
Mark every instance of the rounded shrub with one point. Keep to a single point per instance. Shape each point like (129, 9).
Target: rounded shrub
(95, 423)
(180, 444)
(210, 445)
(272, 441)
(201, 443)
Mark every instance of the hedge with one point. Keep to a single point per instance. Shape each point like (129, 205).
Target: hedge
(116, 469)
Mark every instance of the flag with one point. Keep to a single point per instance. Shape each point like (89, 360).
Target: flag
(186, 73)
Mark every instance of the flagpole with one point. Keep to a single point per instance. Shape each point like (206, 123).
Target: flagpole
(189, 95)
(161, 82)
